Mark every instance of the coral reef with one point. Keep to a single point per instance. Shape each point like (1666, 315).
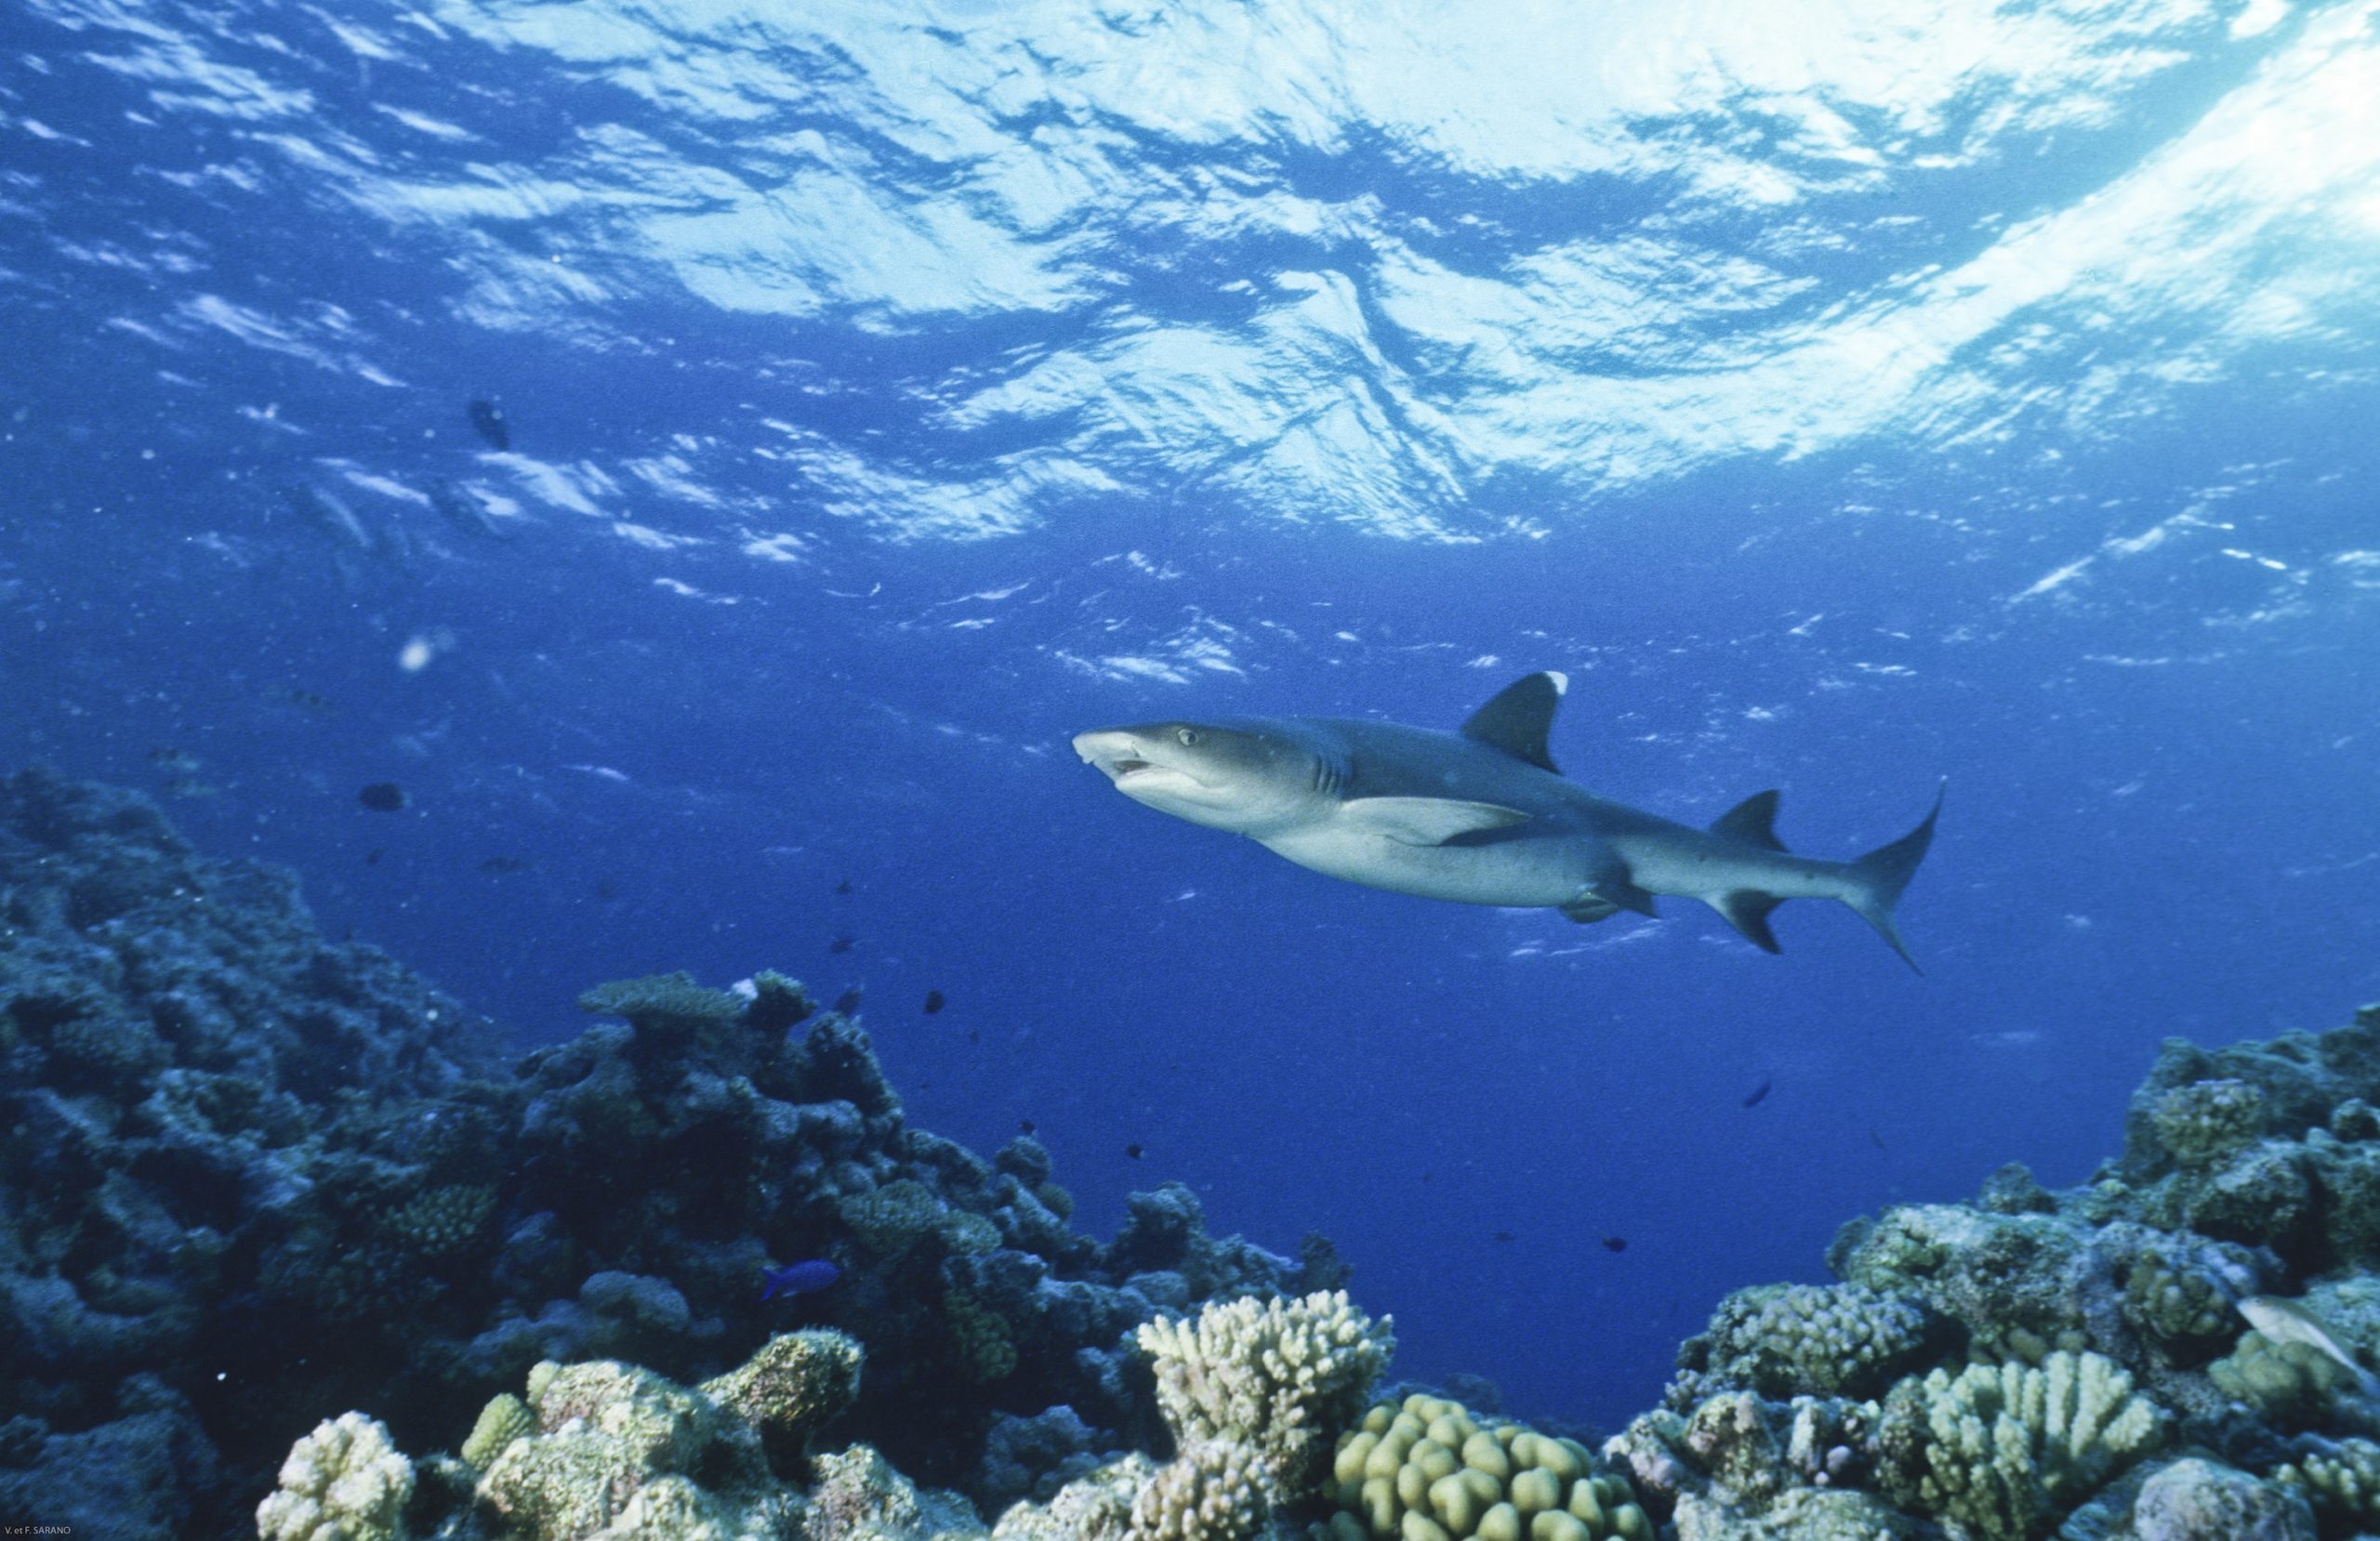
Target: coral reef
(232, 1133)
(344, 1481)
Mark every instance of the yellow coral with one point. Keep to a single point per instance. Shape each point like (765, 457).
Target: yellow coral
(1427, 1471)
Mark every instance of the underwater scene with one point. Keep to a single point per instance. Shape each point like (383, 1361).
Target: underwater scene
(1100, 771)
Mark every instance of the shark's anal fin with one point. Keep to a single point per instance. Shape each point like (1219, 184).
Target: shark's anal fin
(1426, 821)
(1753, 821)
(1586, 912)
(1519, 717)
(1748, 911)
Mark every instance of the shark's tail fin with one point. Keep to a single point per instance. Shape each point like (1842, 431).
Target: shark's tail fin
(1883, 872)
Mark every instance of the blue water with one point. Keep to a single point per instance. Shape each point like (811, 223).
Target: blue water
(1845, 399)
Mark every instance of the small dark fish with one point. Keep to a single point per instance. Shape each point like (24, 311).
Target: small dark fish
(372, 856)
(934, 1002)
(605, 889)
(383, 797)
(1614, 1244)
(843, 885)
(1134, 1151)
(494, 866)
(488, 419)
(461, 508)
(842, 944)
(974, 1035)
(1757, 1093)
(1876, 1140)
(1024, 1126)
(306, 699)
(846, 1003)
(166, 757)
(1504, 1235)
(800, 1278)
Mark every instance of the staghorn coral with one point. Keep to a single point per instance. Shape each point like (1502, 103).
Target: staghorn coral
(1427, 1471)
(1997, 1451)
(1277, 1377)
(344, 1481)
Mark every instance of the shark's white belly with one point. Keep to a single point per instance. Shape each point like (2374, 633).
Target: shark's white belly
(1519, 874)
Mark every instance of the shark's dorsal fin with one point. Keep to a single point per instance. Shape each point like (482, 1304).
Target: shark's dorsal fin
(1748, 911)
(1517, 719)
(1752, 820)
(1426, 821)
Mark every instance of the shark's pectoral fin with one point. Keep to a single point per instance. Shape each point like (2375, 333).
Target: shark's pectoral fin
(1748, 911)
(1586, 912)
(1426, 821)
(1752, 820)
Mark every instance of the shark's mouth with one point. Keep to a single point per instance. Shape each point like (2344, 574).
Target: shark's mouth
(1125, 766)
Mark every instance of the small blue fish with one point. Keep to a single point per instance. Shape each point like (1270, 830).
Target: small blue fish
(800, 1278)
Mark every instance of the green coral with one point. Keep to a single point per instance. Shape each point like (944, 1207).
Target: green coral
(2290, 1384)
(980, 1338)
(344, 1481)
(1427, 1471)
(892, 1220)
(1998, 1450)
(668, 1003)
(859, 1496)
(2205, 1123)
(2183, 1308)
(444, 1222)
(1277, 1377)
(2341, 1480)
(500, 1422)
(1789, 1340)
(797, 1384)
(617, 1446)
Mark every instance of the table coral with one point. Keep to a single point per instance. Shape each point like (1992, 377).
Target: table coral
(1995, 1450)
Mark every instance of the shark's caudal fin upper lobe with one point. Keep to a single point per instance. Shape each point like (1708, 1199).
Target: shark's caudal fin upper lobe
(1885, 871)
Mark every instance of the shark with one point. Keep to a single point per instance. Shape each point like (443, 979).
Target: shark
(1483, 816)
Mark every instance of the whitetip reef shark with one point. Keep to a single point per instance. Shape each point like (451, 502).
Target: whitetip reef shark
(1482, 816)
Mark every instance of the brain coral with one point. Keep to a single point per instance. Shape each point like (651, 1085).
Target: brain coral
(1429, 1471)
(1276, 1377)
(1997, 1449)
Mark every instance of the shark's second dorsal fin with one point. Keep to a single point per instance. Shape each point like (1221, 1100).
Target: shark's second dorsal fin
(1519, 718)
(1752, 820)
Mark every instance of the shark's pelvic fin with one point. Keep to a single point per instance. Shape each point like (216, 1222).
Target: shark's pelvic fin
(1519, 717)
(1752, 820)
(1586, 912)
(1885, 871)
(1426, 821)
(1747, 911)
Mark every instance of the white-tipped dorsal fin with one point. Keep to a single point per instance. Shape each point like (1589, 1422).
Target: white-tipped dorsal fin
(1426, 821)
(1519, 717)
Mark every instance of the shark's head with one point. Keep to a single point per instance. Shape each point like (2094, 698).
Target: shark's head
(1248, 778)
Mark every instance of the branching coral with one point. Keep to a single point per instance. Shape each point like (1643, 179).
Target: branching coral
(344, 1481)
(1997, 1450)
(1211, 1491)
(1276, 1377)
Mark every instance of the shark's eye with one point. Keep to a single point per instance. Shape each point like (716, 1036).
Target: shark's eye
(1187, 735)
